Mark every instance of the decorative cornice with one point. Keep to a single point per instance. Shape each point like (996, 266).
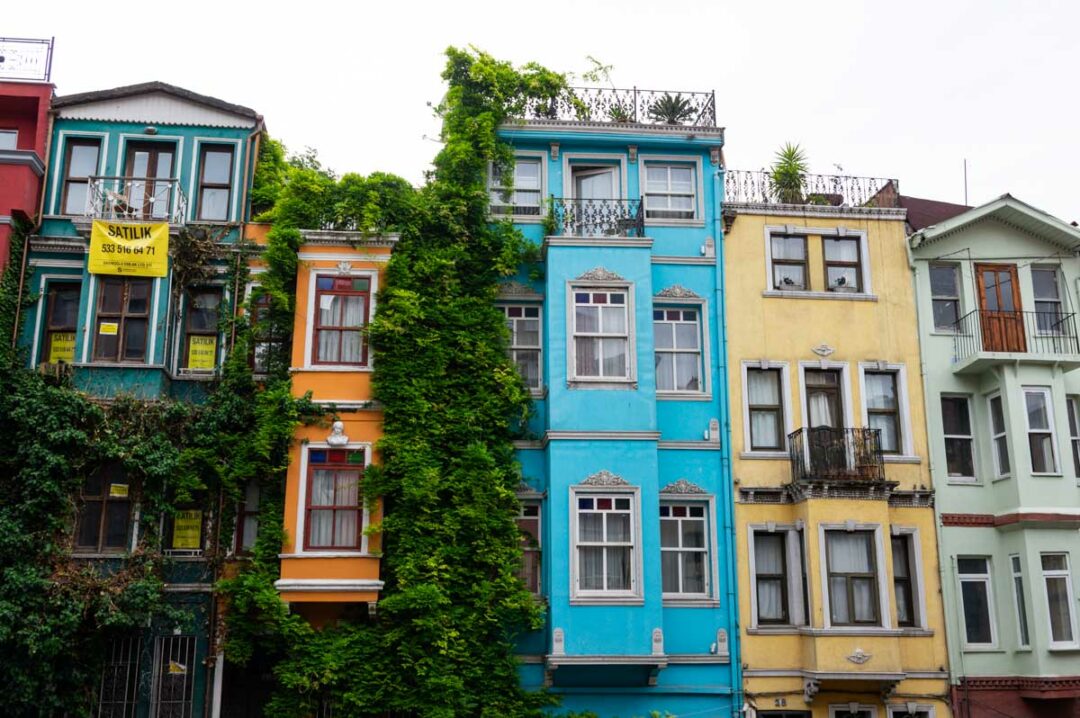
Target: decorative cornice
(678, 291)
(600, 274)
(604, 478)
(682, 486)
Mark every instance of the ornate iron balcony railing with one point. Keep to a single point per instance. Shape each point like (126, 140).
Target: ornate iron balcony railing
(758, 187)
(827, 454)
(136, 198)
(982, 330)
(598, 217)
(631, 106)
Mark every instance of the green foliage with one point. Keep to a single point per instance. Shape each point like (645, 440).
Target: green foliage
(671, 109)
(788, 173)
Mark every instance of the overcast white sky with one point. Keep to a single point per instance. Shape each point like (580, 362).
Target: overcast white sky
(901, 89)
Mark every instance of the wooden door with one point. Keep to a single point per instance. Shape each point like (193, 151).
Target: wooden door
(1002, 321)
(147, 162)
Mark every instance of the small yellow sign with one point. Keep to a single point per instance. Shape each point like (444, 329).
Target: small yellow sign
(62, 347)
(202, 352)
(187, 529)
(137, 250)
(119, 491)
(108, 329)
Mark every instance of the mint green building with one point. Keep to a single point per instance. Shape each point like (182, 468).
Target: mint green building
(997, 289)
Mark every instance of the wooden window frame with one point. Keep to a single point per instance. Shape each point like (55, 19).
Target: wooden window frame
(190, 331)
(857, 265)
(849, 579)
(777, 408)
(319, 327)
(894, 413)
(122, 318)
(782, 577)
(334, 466)
(107, 474)
(804, 262)
(67, 179)
(50, 328)
(204, 185)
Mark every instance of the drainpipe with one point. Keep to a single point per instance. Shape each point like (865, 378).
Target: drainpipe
(734, 641)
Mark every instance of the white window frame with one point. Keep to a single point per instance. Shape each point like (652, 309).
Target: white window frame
(842, 710)
(634, 595)
(539, 218)
(699, 188)
(884, 581)
(539, 348)
(631, 333)
(1072, 406)
(798, 608)
(907, 440)
(1002, 435)
(6, 132)
(702, 337)
(299, 550)
(1065, 573)
(309, 328)
(710, 545)
(1020, 602)
(963, 437)
(748, 451)
(1052, 429)
(918, 584)
(867, 288)
(959, 298)
(987, 579)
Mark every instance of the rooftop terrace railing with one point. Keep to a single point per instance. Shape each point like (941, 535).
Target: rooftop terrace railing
(758, 187)
(627, 106)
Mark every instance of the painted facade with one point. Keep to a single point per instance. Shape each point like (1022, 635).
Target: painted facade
(620, 336)
(839, 602)
(149, 153)
(24, 132)
(996, 290)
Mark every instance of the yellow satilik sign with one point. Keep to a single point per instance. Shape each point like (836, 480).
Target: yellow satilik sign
(137, 250)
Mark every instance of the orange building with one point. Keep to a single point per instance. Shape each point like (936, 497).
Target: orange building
(329, 560)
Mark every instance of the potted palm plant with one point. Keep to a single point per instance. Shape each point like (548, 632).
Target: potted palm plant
(788, 174)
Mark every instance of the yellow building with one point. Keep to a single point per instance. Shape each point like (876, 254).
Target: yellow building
(330, 561)
(840, 607)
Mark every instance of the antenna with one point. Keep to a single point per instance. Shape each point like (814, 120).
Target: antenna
(965, 181)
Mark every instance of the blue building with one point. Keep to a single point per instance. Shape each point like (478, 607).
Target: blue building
(140, 155)
(621, 337)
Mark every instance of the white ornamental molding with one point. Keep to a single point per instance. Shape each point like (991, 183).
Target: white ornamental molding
(823, 350)
(601, 274)
(859, 657)
(604, 478)
(678, 291)
(682, 486)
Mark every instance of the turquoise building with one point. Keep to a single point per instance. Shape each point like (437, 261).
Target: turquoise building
(620, 335)
(149, 153)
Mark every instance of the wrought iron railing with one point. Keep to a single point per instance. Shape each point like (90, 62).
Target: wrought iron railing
(827, 454)
(982, 330)
(598, 217)
(136, 198)
(633, 106)
(758, 187)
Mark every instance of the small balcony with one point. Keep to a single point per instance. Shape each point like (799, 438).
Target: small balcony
(985, 338)
(827, 455)
(136, 199)
(598, 217)
(627, 106)
(742, 187)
